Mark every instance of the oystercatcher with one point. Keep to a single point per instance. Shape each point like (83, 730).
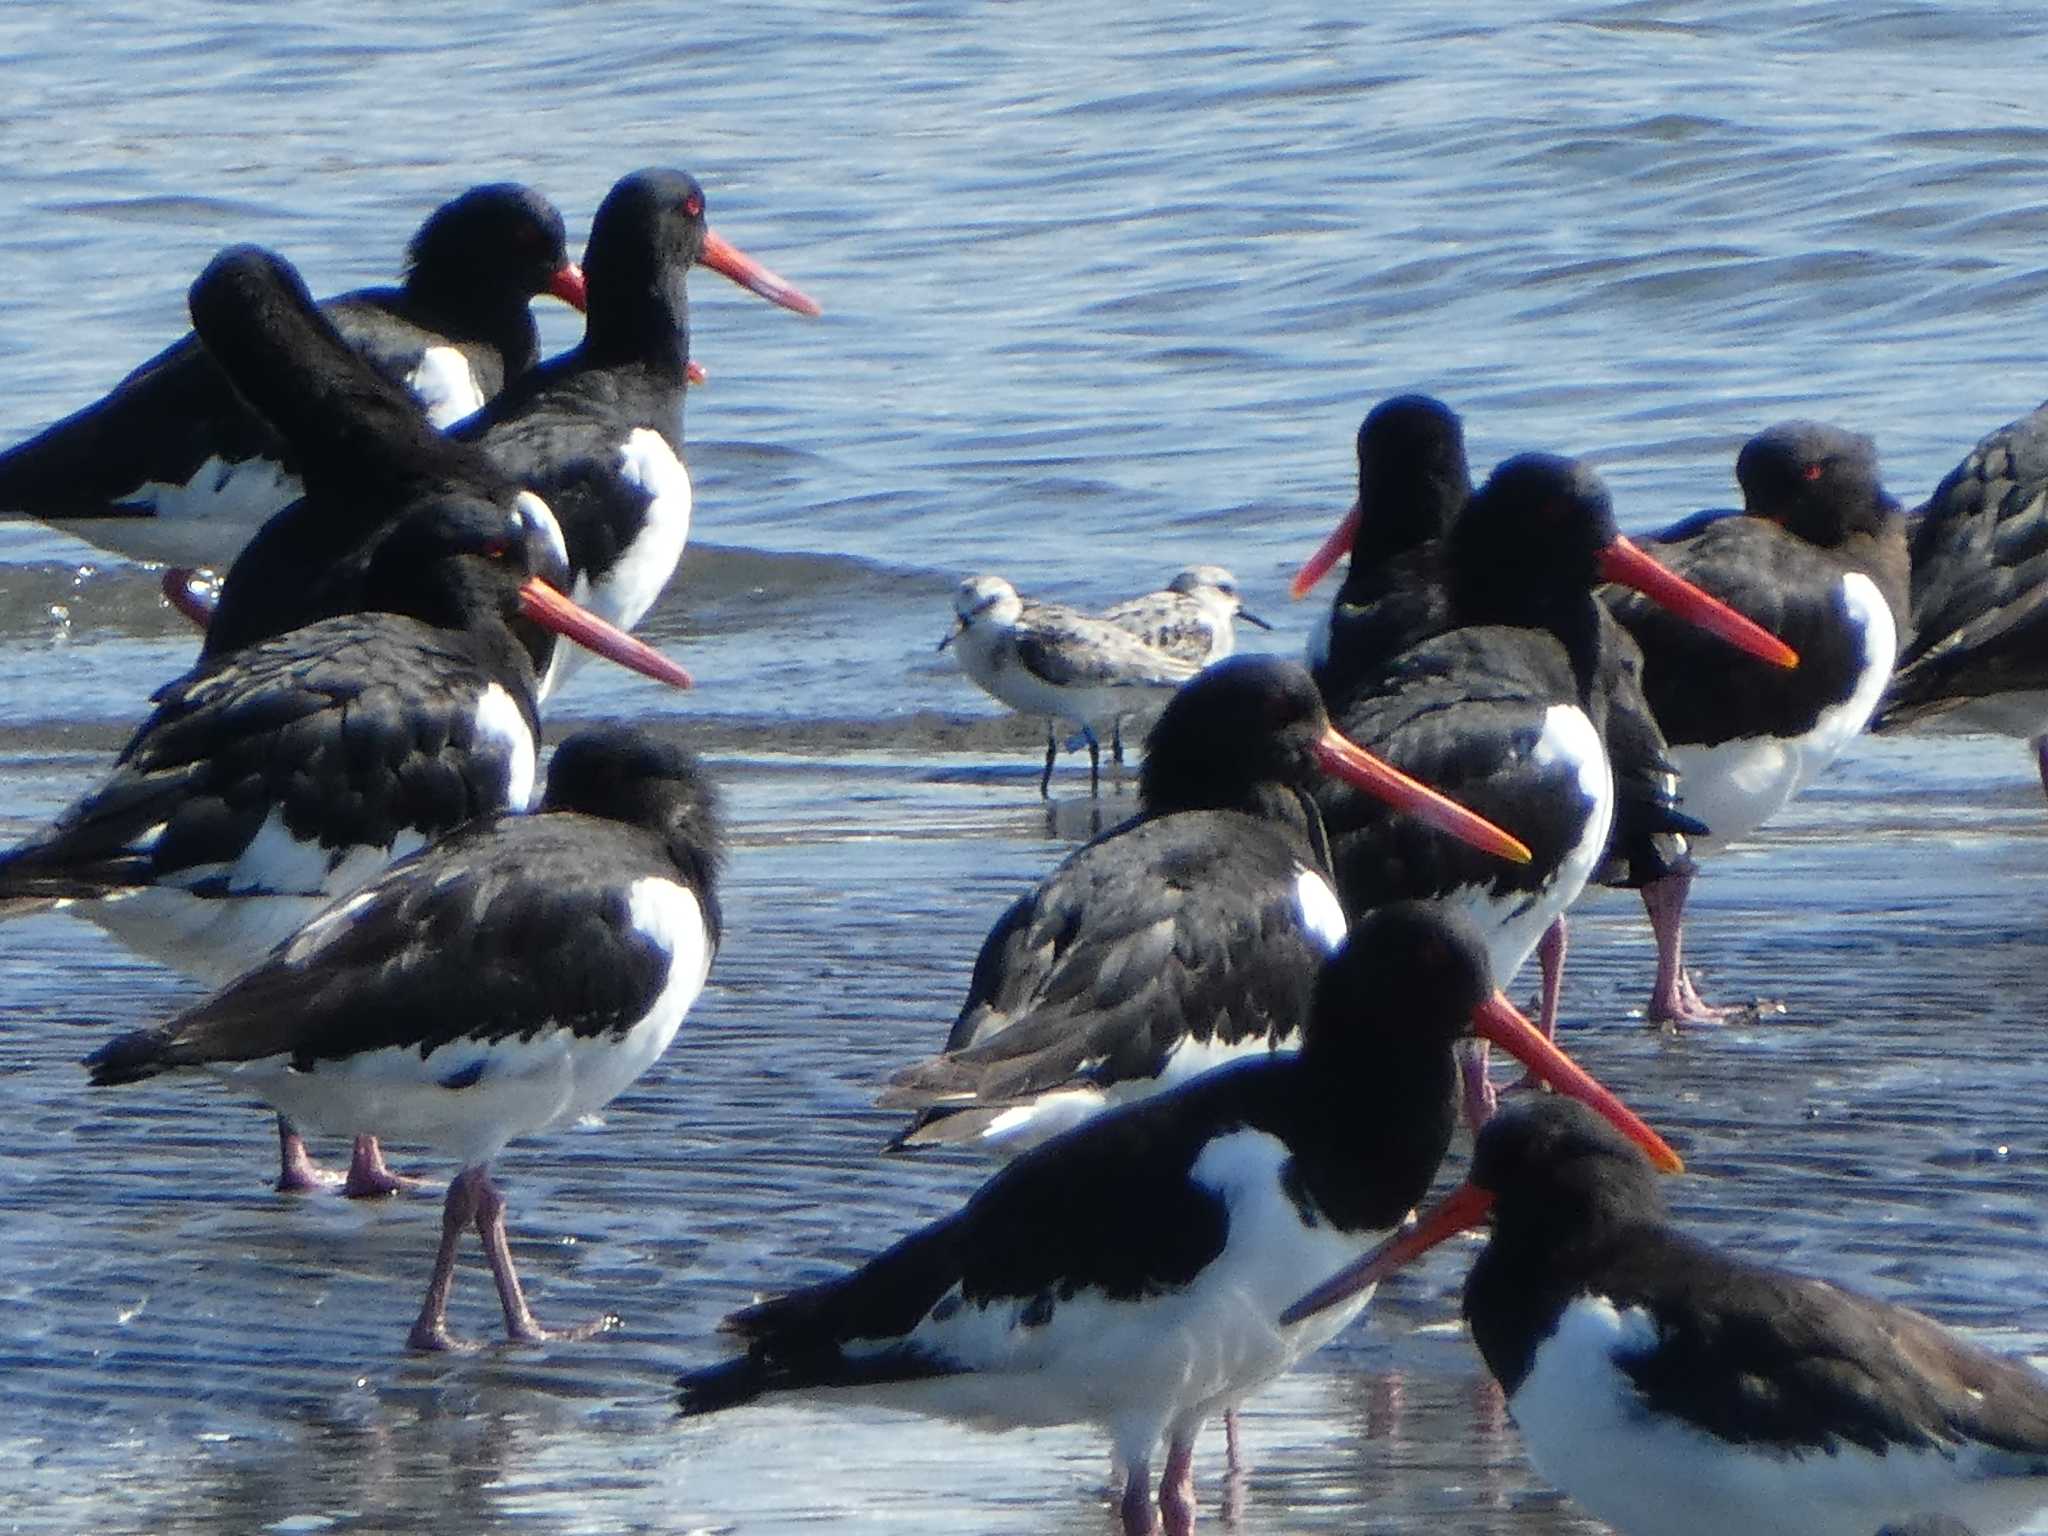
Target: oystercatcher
(519, 974)
(366, 457)
(1506, 710)
(173, 442)
(1412, 481)
(1056, 662)
(1188, 936)
(1675, 1391)
(276, 779)
(1128, 1273)
(1194, 616)
(1818, 558)
(1977, 659)
(598, 431)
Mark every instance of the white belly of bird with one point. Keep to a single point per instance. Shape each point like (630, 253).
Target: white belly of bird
(625, 593)
(1736, 786)
(243, 493)
(1054, 1114)
(1512, 922)
(275, 886)
(1587, 1431)
(1158, 1364)
(502, 1087)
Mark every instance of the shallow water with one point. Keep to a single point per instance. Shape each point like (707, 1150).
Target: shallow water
(1105, 293)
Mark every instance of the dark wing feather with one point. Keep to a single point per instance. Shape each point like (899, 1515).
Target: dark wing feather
(350, 731)
(160, 424)
(1464, 717)
(1186, 925)
(1701, 689)
(1108, 1208)
(1754, 1354)
(510, 926)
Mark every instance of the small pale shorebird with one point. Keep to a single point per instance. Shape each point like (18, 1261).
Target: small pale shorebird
(1193, 617)
(1056, 662)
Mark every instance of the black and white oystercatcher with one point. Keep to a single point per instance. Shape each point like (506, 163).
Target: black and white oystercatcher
(281, 777)
(1675, 1391)
(1412, 482)
(1977, 659)
(598, 431)
(1188, 936)
(519, 974)
(367, 458)
(1129, 1273)
(171, 466)
(1819, 559)
(1506, 711)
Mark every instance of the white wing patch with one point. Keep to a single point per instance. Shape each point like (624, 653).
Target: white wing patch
(1322, 914)
(249, 491)
(501, 722)
(445, 386)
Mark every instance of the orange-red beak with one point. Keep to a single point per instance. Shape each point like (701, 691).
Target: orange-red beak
(749, 273)
(1337, 755)
(567, 285)
(1463, 1208)
(1625, 563)
(1499, 1021)
(1333, 549)
(548, 608)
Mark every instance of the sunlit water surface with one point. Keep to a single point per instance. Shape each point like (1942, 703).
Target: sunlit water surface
(1107, 292)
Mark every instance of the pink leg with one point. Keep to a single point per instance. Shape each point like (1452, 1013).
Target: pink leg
(190, 593)
(1480, 1096)
(1236, 1469)
(1177, 1488)
(297, 1173)
(1550, 956)
(1673, 999)
(430, 1329)
(368, 1174)
(1139, 1517)
(520, 1324)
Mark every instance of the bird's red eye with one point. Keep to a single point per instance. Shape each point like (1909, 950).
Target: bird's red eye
(693, 205)
(1814, 471)
(497, 549)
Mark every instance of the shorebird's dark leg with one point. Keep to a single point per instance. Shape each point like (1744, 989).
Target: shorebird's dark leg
(1673, 999)
(1177, 1488)
(369, 1175)
(1094, 762)
(430, 1329)
(1051, 752)
(2041, 759)
(297, 1173)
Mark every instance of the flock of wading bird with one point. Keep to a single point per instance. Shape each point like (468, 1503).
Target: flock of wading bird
(1226, 1039)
